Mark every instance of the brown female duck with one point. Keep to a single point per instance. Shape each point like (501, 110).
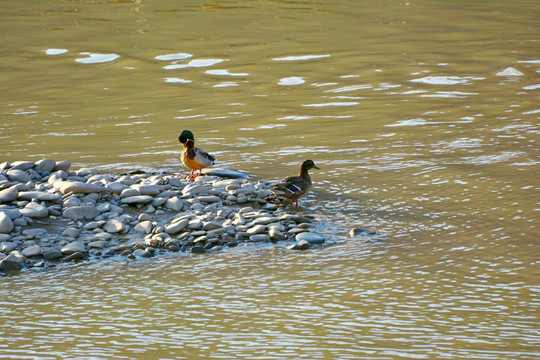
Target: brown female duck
(295, 187)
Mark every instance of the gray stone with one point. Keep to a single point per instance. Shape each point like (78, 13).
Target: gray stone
(144, 227)
(11, 213)
(193, 189)
(225, 173)
(116, 187)
(71, 232)
(81, 212)
(6, 225)
(72, 201)
(75, 257)
(296, 218)
(44, 165)
(4, 237)
(259, 238)
(276, 235)
(211, 225)
(129, 192)
(8, 246)
(62, 165)
(311, 237)
(198, 249)
(57, 177)
(361, 232)
(52, 254)
(74, 247)
(195, 224)
(141, 199)
(11, 263)
(78, 187)
(39, 195)
(22, 165)
(208, 198)
(98, 244)
(32, 251)
(176, 227)
(302, 245)
(34, 233)
(34, 210)
(9, 194)
(159, 201)
(151, 190)
(114, 226)
(174, 203)
(18, 176)
(142, 253)
(257, 229)
(264, 220)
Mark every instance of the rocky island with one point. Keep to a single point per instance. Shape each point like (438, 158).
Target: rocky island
(50, 214)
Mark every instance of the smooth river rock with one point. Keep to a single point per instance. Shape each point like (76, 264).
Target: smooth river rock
(81, 212)
(6, 225)
(311, 237)
(79, 187)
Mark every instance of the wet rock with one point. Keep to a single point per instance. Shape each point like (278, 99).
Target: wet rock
(510, 71)
(311, 237)
(276, 235)
(296, 218)
(73, 247)
(32, 251)
(361, 232)
(8, 246)
(259, 238)
(301, 245)
(198, 249)
(76, 256)
(52, 254)
(11, 263)
(81, 212)
(6, 225)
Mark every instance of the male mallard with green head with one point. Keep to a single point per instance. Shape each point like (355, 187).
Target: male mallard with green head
(294, 187)
(194, 158)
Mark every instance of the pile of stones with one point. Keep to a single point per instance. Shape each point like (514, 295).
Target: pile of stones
(49, 214)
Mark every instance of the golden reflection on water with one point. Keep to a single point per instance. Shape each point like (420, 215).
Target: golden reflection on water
(401, 104)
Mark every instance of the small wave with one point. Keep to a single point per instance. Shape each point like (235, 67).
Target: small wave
(96, 58)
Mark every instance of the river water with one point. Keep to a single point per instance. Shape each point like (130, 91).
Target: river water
(422, 115)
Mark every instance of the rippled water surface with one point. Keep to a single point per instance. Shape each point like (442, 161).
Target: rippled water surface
(423, 116)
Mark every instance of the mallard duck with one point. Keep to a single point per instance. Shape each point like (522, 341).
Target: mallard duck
(194, 158)
(294, 187)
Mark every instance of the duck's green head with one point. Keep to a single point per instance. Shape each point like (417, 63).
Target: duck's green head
(309, 164)
(185, 136)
